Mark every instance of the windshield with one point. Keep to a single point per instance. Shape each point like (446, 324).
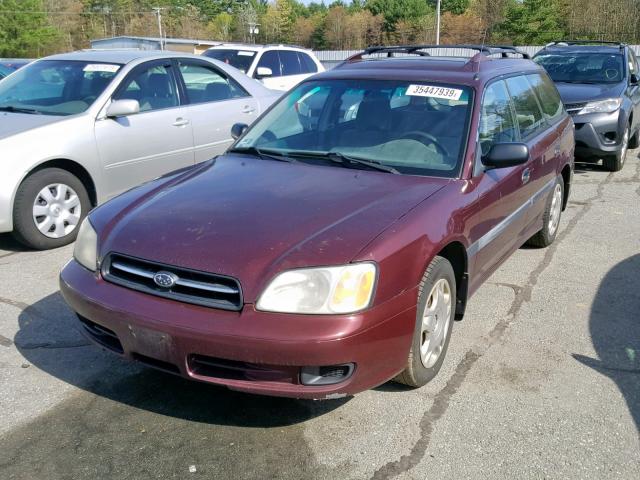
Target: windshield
(56, 87)
(583, 67)
(240, 59)
(415, 128)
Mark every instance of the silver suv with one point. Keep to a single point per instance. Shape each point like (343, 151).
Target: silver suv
(79, 128)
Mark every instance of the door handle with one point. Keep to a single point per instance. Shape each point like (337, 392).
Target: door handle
(180, 122)
(526, 175)
(248, 109)
(557, 149)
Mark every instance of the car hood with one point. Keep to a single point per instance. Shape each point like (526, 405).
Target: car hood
(251, 218)
(584, 92)
(13, 123)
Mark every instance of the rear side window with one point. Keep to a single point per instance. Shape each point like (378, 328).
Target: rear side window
(528, 113)
(270, 59)
(548, 96)
(206, 84)
(306, 63)
(290, 63)
(497, 124)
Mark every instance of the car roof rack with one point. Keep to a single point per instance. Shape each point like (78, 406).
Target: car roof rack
(503, 50)
(291, 45)
(568, 43)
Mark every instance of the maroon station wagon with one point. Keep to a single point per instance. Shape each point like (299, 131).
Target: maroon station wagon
(334, 244)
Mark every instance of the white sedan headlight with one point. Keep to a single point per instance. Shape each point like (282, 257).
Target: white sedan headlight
(86, 248)
(323, 290)
(602, 106)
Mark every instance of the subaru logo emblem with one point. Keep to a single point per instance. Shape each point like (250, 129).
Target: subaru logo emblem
(165, 279)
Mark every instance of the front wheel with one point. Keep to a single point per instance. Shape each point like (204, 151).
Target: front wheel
(48, 208)
(434, 321)
(550, 218)
(614, 163)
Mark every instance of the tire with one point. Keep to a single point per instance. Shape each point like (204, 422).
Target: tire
(634, 142)
(614, 163)
(61, 210)
(418, 373)
(551, 217)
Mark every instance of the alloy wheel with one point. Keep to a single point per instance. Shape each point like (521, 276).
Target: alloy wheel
(435, 323)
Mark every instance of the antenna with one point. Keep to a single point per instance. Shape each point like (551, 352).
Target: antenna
(484, 40)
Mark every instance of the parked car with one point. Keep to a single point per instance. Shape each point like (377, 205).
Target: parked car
(80, 128)
(334, 244)
(599, 83)
(279, 67)
(14, 63)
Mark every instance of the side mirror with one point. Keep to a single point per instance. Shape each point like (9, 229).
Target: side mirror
(238, 130)
(634, 79)
(123, 108)
(262, 72)
(503, 155)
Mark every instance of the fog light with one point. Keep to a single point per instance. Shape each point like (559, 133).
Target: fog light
(328, 375)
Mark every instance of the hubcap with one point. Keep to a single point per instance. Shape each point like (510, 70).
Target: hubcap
(556, 209)
(56, 210)
(435, 323)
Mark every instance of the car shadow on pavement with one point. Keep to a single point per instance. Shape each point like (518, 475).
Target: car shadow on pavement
(49, 339)
(9, 244)
(614, 325)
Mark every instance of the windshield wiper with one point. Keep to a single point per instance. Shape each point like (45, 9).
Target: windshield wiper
(341, 158)
(11, 108)
(263, 154)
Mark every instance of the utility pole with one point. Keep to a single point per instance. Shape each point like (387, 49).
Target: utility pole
(438, 22)
(158, 13)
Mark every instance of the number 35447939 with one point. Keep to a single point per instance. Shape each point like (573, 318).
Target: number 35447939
(435, 92)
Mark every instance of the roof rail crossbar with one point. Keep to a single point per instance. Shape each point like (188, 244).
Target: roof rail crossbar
(503, 50)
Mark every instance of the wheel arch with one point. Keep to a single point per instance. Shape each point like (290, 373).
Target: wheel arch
(75, 169)
(456, 254)
(566, 177)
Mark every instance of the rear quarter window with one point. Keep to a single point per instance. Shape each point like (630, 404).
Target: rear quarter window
(528, 113)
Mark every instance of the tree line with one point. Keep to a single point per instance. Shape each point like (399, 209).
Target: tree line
(33, 28)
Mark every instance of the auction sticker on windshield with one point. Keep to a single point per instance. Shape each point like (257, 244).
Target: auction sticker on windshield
(101, 67)
(434, 92)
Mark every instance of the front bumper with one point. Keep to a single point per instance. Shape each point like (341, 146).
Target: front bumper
(598, 134)
(264, 352)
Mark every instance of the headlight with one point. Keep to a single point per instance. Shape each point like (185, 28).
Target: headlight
(602, 106)
(324, 290)
(86, 248)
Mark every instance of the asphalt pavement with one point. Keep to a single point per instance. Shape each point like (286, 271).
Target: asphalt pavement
(542, 380)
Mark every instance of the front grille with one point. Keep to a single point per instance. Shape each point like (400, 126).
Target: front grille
(155, 363)
(573, 108)
(220, 368)
(188, 286)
